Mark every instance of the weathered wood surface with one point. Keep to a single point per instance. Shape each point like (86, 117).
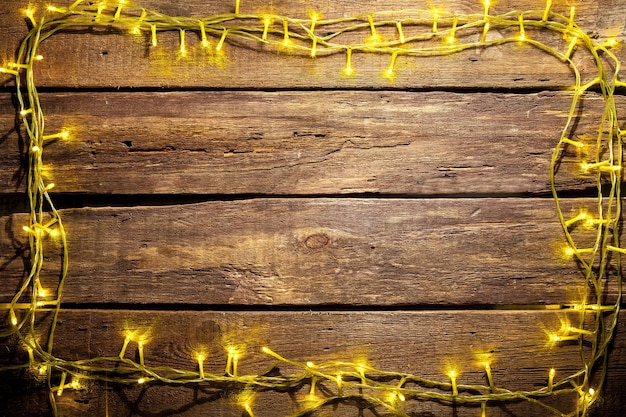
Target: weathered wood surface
(420, 342)
(306, 143)
(314, 252)
(97, 60)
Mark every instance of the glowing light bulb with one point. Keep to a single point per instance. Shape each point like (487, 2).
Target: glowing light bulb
(13, 318)
(124, 346)
(546, 11)
(582, 215)
(31, 356)
(182, 50)
(141, 381)
(575, 143)
(286, 41)
(204, 41)
(451, 39)
(452, 374)
(339, 385)
(592, 391)
(55, 9)
(389, 73)
(154, 35)
(374, 37)
(400, 32)
(611, 42)
(522, 31)
(220, 44)
(75, 384)
(62, 384)
(267, 21)
(435, 20)
(489, 377)
(30, 14)
(201, 365)
(8, 71)
(347, 70)
(551, 375)
(24, 112)
(572, 13)
(140, 349)
(570, 48)
(486, 27)
(118, 12)
(42, 292)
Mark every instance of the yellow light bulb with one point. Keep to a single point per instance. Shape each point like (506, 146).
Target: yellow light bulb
(62, 384)
(30, 14)
(286, 41)
(452, 374)
(182, 50)
(221, 41)
(310, 364)
(267, 20)
(592, 391)
(400, 32)
(154, 35)
(141, 381)
(201, 365)
(546, 12)
(248, 408)
(140, 349)
(551, 375)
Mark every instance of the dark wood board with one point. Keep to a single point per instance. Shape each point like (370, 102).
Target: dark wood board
(100, 60)
(322, 142)
(419, 342)
(314, 252)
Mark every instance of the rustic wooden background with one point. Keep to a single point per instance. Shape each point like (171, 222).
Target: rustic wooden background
(274, 202)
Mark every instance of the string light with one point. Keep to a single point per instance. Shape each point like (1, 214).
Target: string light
(343, 374)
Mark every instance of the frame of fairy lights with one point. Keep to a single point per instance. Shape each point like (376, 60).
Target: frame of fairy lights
(440, 33)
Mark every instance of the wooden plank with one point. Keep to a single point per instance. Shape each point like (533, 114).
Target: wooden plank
(314, 252)
(304, 142)
(98, 60)
(418, 342)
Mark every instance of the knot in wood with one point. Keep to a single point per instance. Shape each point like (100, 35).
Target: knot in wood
(317, 241)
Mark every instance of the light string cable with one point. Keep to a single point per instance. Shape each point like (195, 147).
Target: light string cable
(420, 33)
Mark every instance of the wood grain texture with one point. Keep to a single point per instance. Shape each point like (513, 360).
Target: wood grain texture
(100, 60)
(421, 342)
(234, 142)
(314, 252)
